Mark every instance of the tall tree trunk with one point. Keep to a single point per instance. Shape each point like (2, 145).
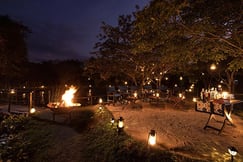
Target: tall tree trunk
(230, 81)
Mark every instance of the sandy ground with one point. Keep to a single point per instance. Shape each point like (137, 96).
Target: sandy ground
(181, 130)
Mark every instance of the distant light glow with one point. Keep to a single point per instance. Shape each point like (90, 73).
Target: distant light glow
(213, 67)
(32, 110)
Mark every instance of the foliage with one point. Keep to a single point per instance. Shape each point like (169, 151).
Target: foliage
(113, 50)
(188, 32)
(12, 123)
(13, 146)
(13, 50)
(55, 73)
(116, 57)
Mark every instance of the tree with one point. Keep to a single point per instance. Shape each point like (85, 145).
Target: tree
(113, 51)
(157, 33)
(188, 32)
(13, 49)
(216, 29)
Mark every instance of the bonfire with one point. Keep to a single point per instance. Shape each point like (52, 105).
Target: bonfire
(67, 99)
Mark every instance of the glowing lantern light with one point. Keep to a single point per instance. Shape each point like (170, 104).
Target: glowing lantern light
(225, 95)
(152, 137)
(112, 121)
(194, 99)
(233, 152)
(32, 110)
(182, 96)
(100, 108)
(24, 95)
(12, 91)
(100, 101)
(157, 94)
(121, 123)
(213, 67)
(135, 94)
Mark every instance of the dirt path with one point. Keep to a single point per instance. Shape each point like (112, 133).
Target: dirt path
(182, 130)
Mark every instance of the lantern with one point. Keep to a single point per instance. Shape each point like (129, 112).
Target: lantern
(212, 67)
(112, 121)
(232, 150)
(100, 101)
(120, 123)
(152, 137)
(225, 95)
(32, 110)
(135, 94)
(12, 91)
(100, 107)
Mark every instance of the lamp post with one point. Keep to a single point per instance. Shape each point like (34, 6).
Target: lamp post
(232, 150)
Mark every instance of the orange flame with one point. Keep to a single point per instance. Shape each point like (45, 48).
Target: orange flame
(68, 96)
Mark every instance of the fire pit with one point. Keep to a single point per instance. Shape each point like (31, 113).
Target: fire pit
(66, 106)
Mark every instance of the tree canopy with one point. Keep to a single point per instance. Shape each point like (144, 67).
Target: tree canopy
(175, 35)
(13, 48)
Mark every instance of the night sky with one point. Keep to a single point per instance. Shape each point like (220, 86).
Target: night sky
(65, 29)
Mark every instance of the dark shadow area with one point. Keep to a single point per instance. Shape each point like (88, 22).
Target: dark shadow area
(81, 120)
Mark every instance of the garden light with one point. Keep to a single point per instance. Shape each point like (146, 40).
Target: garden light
(100, 101)
(135, 94)
(152, 137)
(100, 108)
(120, 123)
(32, 110)
(112, 121)
(213, 67)
(232, 150)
